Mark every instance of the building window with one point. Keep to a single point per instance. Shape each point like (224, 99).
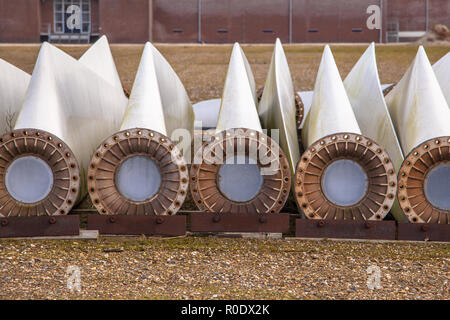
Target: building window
(72, 16)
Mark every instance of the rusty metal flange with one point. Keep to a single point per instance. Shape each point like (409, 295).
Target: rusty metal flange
(126, 91)
(123, 145)
(204, 176)
(299, 110)
(388, 89)
(374, 161)
(411, 181)
(259, 94)
(57, 155)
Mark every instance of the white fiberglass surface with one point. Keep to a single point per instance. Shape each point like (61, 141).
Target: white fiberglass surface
(437, 186)
(138, 178)
(240, 180)
(344, 182)
(29, 179)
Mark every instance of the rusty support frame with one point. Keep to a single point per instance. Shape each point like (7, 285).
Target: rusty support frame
(138, 225)
(39, 226)
(423, 232)
(341, 229)
(239, 222)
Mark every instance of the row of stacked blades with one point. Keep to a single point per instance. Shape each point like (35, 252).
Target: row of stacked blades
(348, 150)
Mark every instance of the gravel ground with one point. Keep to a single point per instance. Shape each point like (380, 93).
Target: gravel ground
(218, 268)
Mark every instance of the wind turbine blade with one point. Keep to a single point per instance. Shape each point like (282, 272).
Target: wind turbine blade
(68, 110)
(207, 112)
(330, 110)
(239, 169)
(145, 109)
(342, 175)
(277, 106)
(367, 100)
(143, 169)
(99, 59)
(442, 71)
(417, 105)
(421, 117)
(238, 109)
(13, 86)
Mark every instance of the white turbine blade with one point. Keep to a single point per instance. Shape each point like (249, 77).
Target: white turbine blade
(238, 109)
(277, 106)
(158, 106)
(366, 98)
(330, 110)
(145, 109)
(417, 105)
(69, 100)
(306, 97)
(13, 86)
(384, 86)
(207, 112)
(442, 72)
(251, 78)
(99, 59)
(177, 108)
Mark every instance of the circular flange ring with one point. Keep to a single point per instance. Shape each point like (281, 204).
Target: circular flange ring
(299, 110)
(273, 166)
(123, 145)
(374, 161)
(60, 159)
(411, 181)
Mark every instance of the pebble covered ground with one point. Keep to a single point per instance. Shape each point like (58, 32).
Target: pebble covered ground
(223, 268)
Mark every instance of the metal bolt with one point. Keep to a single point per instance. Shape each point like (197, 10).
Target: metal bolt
(52, 220)
(160, 220)
(262, 219)
(321, 223)
(112, 219)
(367, 225)
(4, 222)
(424, 228)
(216, 218)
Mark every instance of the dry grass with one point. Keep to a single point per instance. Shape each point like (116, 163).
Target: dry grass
(202, 69)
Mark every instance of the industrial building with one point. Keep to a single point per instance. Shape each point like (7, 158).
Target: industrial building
(213, 21)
